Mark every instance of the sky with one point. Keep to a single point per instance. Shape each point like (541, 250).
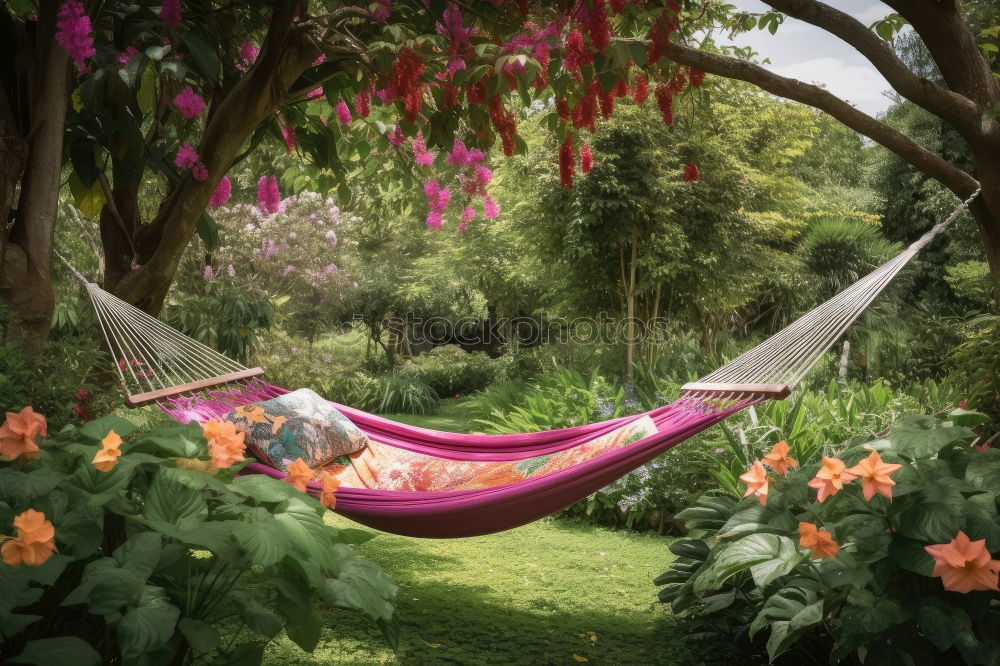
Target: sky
(802, 51)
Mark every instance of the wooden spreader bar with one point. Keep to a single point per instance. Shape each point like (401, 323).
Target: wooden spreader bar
(775, 391)
(152, 396)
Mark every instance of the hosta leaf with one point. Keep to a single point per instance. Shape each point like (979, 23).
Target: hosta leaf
(693, 548)
(99, 428)
(360, 585)
(983, 471)
(182, 441)
(910, 555)
(263, 540)
(172, 502)
(981, 520)
(200, 635)
(779, 552)
(17, 486)
(967, 418)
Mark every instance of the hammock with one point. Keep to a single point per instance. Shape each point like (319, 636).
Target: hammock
(193, 382)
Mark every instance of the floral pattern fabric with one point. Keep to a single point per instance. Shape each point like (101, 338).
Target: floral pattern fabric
(300, 424)
(384, 467)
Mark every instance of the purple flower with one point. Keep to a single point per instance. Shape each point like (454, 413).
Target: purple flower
(315, 93)
(199, 171)
(170, 13)
(434, 220)
(383, 11)
(289, 269)
(396, 137)
(208, 272)
(73, 33)
(231, 271)
(248, 55)
(126, 55)
(490, 208)
(189, 103)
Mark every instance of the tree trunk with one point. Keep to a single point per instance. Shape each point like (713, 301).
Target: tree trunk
(27, 260)
(845, 355)
(986, 211)
(630, 311)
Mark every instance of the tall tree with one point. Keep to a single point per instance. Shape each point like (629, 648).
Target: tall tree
(168, 94)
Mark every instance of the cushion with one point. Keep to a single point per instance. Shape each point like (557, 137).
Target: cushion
(300, 424)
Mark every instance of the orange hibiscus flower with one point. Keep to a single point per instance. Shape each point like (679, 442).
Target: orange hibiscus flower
(964, 565)
(756, 480)
(299, 474)
(830, 478)
(778, 459)
(107, 457)
(17, 434)
(874, 475)
(34, 543)
(329, 495)
(819, 542)
(225, 444)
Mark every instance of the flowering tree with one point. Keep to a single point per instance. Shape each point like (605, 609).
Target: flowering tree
(181, 91)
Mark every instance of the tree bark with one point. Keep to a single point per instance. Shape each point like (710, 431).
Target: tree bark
(27, 261)
(287, 54)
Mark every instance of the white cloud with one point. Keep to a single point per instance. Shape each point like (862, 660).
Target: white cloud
(858, 84)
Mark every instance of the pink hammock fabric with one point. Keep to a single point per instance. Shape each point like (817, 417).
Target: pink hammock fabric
(461, 513)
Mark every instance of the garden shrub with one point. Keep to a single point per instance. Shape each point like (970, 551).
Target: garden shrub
(450, 371)
(399, 394)
(977, 364)
(134, 547)
(876, 566)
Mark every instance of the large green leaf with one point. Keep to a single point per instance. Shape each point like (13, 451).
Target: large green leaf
(983, 470)
(360, 585)
(63, 650)
(708, 513)
(981, 521)
(147, 625)
(19, 487)
(183, 441)
(967, 418)
(772, 555)
(306, 532)
(262, 488)
(173, 502)
(918, 436)
(910, 555)
(200, 635)
(869, 534)
(98, 429)
(263, 539)
(110, 583)
(206, 60)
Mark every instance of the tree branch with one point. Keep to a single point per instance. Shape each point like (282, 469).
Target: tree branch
(945, 32)
(964, 114)
(958, 181)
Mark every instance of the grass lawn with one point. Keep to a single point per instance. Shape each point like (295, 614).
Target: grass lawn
(544, 593)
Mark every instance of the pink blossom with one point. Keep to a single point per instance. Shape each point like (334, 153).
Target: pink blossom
(434, 220)
(208, 274)
(330, 268)
(331, 236)
(268, 196)
(474, 157)
(73, 33)
(231, 271)
(388, 94)
(468, 215)
(170, 13)
(126, 55)
(315, 93)
(289, 269)
(461, 227)
(288, 136)
(490, 208)
(222, 193)
(383, 11)
(248, 55)
(363, 102)
(431, 189)
(396, 137)
(199, 171)
(459, 153)
(189, 103)
(186, 156)
(343, 113)
(483, 175)
(320, 59)
(422, 156)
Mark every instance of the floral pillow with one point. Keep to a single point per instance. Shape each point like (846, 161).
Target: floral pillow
(300, 424)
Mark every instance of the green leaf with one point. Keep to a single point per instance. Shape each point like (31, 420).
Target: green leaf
(200, 635)
(306, 532)
(257, 616)
(18, 487)
(770, 553)
(262, 488)
(182, 441)
(869, 534)
(146, 97)
(917, 436)
(149, 624)
(99, 428)
(967, 418)
(360, 585)
(90, 200)
(981, 520)
(263, 540)
(983, 471)
(172, 502)
(62, 650)
(910, 555)
(208, 230)
(693, 548)
(206, 60)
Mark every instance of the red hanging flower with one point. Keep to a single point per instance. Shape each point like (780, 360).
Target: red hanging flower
(476, 93)
(641, 90)
(597, 25)
(505, 124)
(665, 100)
(562, 109)
(696, 76)
(678, 82)
(607, 103)
(363, 102)
(585, 111)
(406, 72)
(691, 173)
(577, 53)
(621, 88)
(659, 35)
(566, 160)
(586, 158)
